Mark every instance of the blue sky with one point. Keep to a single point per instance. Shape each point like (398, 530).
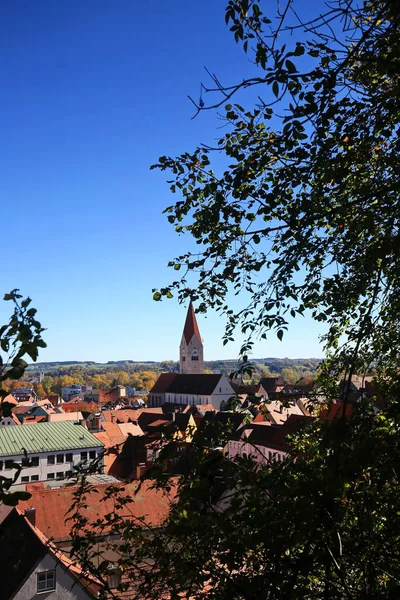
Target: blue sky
(92, 94)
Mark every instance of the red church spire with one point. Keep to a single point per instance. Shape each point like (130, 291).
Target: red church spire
(191, 326)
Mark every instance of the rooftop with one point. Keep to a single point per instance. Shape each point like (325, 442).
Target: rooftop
(191, 328)
(45, 437)
(53, 504)
(201, 384)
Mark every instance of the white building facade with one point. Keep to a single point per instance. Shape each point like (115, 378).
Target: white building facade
(47, 451)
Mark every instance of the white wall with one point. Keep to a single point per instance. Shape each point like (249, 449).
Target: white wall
(222, 392)
(67, 588)
(5, 421)
(43, 470)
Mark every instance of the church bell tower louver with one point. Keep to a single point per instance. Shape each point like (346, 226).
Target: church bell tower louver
(191, 359)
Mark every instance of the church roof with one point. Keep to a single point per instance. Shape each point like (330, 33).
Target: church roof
(163, 382)
(191, 326)
(200, 384)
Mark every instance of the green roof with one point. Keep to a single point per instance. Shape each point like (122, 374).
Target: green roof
(45, 437)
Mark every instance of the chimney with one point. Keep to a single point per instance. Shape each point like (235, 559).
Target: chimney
(97, 419)
(30, 515)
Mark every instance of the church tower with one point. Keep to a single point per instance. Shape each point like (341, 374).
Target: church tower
(191, 360)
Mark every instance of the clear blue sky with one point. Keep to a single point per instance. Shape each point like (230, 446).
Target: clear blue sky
(92, 93)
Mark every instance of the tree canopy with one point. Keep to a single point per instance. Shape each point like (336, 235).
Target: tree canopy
(303, 217)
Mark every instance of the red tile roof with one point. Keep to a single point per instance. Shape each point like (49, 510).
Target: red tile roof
(191, 328)
(52, 505)
(335, 411)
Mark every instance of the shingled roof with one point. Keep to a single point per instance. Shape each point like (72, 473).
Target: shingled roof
(191, 326)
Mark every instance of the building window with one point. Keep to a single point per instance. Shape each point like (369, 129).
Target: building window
(68, 457)
(60, 459)
(92, 454)
(68, 474)
(83, 455)
(1, 465)
(25, 479)
(46, 581)
(35, 478)
(50, 459)
(25, 461)
(60, 475)
(9, 464)
(50, 476)
(34, 461)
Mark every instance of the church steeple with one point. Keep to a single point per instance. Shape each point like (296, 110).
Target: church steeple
(191, 349)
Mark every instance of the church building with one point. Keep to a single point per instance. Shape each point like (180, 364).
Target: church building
(191, 385)
(191, 359)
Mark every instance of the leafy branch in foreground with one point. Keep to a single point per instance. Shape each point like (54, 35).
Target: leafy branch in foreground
(20, 337)
(303, 217)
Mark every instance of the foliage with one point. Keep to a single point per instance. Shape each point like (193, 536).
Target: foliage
(303, 218)
(20, 337)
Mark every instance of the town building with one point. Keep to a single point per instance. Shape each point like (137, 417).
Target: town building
(191, 359)
(32, 566)
(47, 451)
(70, 391)
(264, 442)
(193, 389)
(24, 395)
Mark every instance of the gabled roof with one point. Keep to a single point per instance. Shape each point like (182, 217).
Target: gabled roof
(202, 384)
(163, 382)
(20, 550)
(191, 328)
(254, 389)
(270, 383)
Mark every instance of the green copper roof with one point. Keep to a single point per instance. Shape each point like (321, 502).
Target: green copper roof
(45, 437)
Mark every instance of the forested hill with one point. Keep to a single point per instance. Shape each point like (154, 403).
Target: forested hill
(274, 364)
(145, 372)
